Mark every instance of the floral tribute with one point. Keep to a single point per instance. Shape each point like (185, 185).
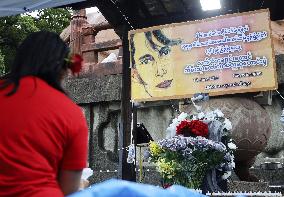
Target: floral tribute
(195, 144)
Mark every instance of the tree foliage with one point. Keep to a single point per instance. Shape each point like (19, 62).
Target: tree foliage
(14, 29)
(53, 19)
(2, 67)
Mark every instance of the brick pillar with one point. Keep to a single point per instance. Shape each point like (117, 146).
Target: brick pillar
(79, 19)
(90, 57)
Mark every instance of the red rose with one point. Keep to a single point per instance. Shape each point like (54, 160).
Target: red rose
(199, 128)
(192, 128)
(76, 63)
(183, 127)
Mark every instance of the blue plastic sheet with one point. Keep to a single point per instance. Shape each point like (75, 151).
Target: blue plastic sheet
(120, 188)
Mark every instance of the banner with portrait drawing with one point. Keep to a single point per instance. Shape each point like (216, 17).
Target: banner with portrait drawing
(222, 55)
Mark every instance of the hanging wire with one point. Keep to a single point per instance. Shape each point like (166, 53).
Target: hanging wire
(136, 170)
(262, 3)
(282, 115)
(124, 16)
(174, 107)
(279, 94)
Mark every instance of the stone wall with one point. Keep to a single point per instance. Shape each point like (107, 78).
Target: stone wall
(274, 151)
(99, 97)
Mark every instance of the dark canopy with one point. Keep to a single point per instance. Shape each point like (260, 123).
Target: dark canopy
(145, 13)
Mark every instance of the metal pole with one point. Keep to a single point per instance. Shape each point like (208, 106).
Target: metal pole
(126, 171)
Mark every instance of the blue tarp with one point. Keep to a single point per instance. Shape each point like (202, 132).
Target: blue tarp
(12, 7)
(120, 188)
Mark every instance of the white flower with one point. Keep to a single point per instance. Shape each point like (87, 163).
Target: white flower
(175, 121)
(227, 124)
(171, 131)
(226, 175)
(197, 107)
(233, 164)
(201, 115)
(182, 116)
(199, 97)
(219, 113)
(210, 116)
(232, 146)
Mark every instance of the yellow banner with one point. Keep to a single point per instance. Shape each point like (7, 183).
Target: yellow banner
(222, 55)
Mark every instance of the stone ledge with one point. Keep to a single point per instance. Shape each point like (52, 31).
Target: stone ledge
(94, 89)
(273, 177)
(242, 186)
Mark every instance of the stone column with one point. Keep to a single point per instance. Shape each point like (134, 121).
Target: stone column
(79, 19)
(90, 57)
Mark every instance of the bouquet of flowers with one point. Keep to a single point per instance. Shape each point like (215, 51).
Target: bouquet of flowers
(194, 145)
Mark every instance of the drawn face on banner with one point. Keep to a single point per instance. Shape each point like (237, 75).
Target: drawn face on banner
(151, 61)
(221, 55)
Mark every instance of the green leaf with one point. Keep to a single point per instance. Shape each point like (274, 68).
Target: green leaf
(14, 29)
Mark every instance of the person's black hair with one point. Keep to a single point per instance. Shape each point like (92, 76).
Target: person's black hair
(162, 39)
(42, 54)
(132, 50)
(152, 44)
(160, 36)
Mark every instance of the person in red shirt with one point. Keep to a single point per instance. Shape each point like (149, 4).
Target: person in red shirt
(43, 134)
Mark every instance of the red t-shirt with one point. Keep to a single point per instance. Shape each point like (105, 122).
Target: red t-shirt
(41, 132)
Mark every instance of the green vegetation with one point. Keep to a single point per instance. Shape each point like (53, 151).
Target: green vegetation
(14, 29)
(2, 67)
